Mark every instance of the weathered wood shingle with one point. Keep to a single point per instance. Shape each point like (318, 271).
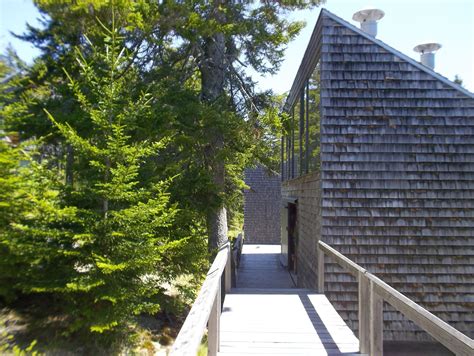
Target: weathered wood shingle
(262, 201)
(397, 177)
(396, 188)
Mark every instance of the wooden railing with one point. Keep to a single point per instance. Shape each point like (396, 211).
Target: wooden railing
(372, 293)
(236, 253)
(206, 309)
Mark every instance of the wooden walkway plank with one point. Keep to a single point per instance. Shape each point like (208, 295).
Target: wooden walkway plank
(260, 268)
(267, 315)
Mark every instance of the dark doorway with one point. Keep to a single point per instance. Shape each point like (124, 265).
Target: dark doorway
(292, 236)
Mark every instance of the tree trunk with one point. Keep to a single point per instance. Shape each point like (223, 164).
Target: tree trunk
(213, 68)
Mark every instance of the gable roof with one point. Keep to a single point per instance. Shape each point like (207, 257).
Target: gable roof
(313, 51)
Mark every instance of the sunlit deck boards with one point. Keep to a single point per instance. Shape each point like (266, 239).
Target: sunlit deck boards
(260, 268)
(283, 322)
(272, 318)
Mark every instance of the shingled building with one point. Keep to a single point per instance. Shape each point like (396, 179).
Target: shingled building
(378, 162)
(262, 202)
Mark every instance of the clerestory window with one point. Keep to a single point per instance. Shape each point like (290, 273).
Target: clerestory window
(300, 146)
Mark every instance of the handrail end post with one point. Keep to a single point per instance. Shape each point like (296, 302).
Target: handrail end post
(320, 270)
(376, 322)
(213, 329)
(228, 270)
(364, 313)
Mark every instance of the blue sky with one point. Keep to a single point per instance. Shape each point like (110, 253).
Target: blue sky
(14, 14)
(406, 24)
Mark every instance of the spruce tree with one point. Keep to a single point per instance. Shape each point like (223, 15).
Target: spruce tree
(106, 246)
(193, 58)
(126, 244)
(215, 43)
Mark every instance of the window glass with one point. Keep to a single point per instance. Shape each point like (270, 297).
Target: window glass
(314, 120)
(296, 139)
(302, 140)
(301, 146)
(288, 156)
(283, 158)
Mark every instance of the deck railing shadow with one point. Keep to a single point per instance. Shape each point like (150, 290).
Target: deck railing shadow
(329, 343)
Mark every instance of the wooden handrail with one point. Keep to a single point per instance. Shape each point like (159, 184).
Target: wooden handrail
(236, 253)
(352, 267)
(206, 309)
(373, 292)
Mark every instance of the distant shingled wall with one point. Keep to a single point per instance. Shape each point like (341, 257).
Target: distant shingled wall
(262, 207)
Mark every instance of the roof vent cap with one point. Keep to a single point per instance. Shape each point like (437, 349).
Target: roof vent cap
(368, 20)
(427, 53)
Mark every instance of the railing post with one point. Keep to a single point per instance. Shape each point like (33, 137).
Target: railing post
(213, 326)
(320, 254)
(228, 270)
(376, 322)
(373, 292)
(364, 313)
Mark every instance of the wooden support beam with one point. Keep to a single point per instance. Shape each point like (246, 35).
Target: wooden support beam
(364, 313)
(228, 270)
(376, 322)
(320, 256)
(214, 326)
(453, 339)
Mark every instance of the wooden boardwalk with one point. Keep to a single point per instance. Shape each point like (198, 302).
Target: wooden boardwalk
(260, 267)
(267, 315)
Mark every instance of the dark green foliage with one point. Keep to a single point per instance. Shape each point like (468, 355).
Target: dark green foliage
(108, 244)
(167, 42)
(112, 207)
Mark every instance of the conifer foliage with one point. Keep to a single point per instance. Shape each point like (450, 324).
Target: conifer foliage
(145, 118)
(105, 246)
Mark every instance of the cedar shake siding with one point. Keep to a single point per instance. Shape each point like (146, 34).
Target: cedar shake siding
(308, 190)
(262, 207)
(395, 190)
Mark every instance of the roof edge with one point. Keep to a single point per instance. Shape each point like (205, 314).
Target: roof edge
(311, 54)
(397, 53)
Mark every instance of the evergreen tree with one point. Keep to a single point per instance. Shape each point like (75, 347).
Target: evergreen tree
(223, 39)
(105, 246)
(193, 58)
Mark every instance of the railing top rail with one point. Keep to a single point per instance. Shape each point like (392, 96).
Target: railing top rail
(190, 335)
(341, 260)
(453, 339)
(439, 329)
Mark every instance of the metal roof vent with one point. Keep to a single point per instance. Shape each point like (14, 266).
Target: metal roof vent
(427, 53)
(368, 20)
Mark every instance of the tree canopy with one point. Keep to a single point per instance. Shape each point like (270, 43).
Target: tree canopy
(137, 121)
